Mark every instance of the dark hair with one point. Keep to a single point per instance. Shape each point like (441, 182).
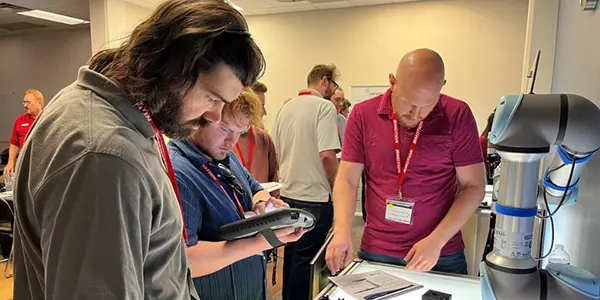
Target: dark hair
(490, 123)
(259, 87)
(319, 71)
(166, 53)
(346, 104)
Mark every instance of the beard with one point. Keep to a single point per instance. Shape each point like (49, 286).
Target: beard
(166, 115)
(409, 123)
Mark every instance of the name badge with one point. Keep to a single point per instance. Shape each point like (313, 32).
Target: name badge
(399, 211)
(25, 124)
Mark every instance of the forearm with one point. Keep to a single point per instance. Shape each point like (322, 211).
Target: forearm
(330, 164)
(344, 204)
(209, 257)
(13, 150)
(461, 210)
(262, 195)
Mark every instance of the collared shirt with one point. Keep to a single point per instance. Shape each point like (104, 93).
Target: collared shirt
(264, 166)
(206, 208)
(97, 217)
(448, 140)
(341, 126)
(20, 129)
(304, 127)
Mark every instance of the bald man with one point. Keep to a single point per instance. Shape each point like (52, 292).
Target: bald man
(413, 201)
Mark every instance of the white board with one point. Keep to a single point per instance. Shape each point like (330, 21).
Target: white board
(359, 93)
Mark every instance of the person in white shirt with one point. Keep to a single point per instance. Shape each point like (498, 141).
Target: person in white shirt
(306, 141)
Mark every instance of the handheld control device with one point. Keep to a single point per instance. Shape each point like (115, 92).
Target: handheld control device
(266, 223)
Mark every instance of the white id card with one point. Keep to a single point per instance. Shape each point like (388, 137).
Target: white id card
(399, 211)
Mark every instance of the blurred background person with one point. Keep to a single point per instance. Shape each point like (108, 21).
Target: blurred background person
(255, 148)
(33, 102)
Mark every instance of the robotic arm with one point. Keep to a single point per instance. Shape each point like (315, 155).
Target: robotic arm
(525, 126)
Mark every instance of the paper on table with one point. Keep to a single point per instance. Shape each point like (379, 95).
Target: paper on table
(374, 285)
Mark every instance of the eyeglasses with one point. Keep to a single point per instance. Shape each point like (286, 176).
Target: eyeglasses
(231, 180)
(334, 83)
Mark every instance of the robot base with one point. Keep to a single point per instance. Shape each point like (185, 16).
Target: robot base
(557, 281)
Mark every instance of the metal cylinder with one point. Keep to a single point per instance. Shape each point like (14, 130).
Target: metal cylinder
(518, 188)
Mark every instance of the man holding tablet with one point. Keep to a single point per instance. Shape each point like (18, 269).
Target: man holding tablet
(217, 190)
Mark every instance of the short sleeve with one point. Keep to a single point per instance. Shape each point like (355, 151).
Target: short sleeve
(14, 137)
(327, 134)
(466, 146)
(353, 147)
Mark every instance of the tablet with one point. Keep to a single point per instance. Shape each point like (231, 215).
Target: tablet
(266, 223)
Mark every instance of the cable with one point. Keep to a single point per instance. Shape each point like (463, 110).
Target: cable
(551, 242)
(560, 204)
(564, 196)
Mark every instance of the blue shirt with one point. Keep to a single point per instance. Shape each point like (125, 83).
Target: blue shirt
(206, 208)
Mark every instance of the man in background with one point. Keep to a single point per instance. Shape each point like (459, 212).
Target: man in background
(338, 100)
(260, 89)
(306, 141)
(94, 179)
(346, 108)
(33, 101)
(217, 190)
(409, 136)
(255, 147)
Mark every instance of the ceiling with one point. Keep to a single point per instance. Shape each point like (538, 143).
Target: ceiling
(261, 7)
(72, 8)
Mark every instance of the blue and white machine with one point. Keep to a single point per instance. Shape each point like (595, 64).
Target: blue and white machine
(525, 127)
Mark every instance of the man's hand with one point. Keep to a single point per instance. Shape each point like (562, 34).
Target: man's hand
(339, 252)
(8, 169)
(262, 206)
(424, 255)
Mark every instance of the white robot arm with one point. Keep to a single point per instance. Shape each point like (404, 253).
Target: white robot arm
(525, 126)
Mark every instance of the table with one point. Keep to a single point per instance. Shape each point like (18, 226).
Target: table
(460, 287)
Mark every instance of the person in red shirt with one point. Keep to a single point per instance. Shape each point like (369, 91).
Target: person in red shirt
(33, 101)
(416, 146)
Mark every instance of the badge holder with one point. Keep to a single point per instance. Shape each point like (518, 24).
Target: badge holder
(400, 211)
(267, 223)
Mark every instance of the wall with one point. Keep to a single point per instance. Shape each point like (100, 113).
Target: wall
(577, 70)
(113, 20)
(481, 41)
(47, 61)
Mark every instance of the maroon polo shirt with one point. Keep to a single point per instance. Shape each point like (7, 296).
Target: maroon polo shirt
(449, 139)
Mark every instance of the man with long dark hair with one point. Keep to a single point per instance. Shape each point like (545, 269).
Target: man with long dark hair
(97, 201)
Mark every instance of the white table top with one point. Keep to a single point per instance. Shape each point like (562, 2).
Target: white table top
(460, 287)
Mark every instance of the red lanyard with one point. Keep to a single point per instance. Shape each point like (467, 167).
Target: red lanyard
(411, 150)
(236, 202)
(305, 94)
(164, 155)
(247, 165)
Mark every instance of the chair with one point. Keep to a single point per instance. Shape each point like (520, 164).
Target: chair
(7, 228)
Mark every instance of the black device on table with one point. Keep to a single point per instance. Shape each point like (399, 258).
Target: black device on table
(266, 223)
(435, 295)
